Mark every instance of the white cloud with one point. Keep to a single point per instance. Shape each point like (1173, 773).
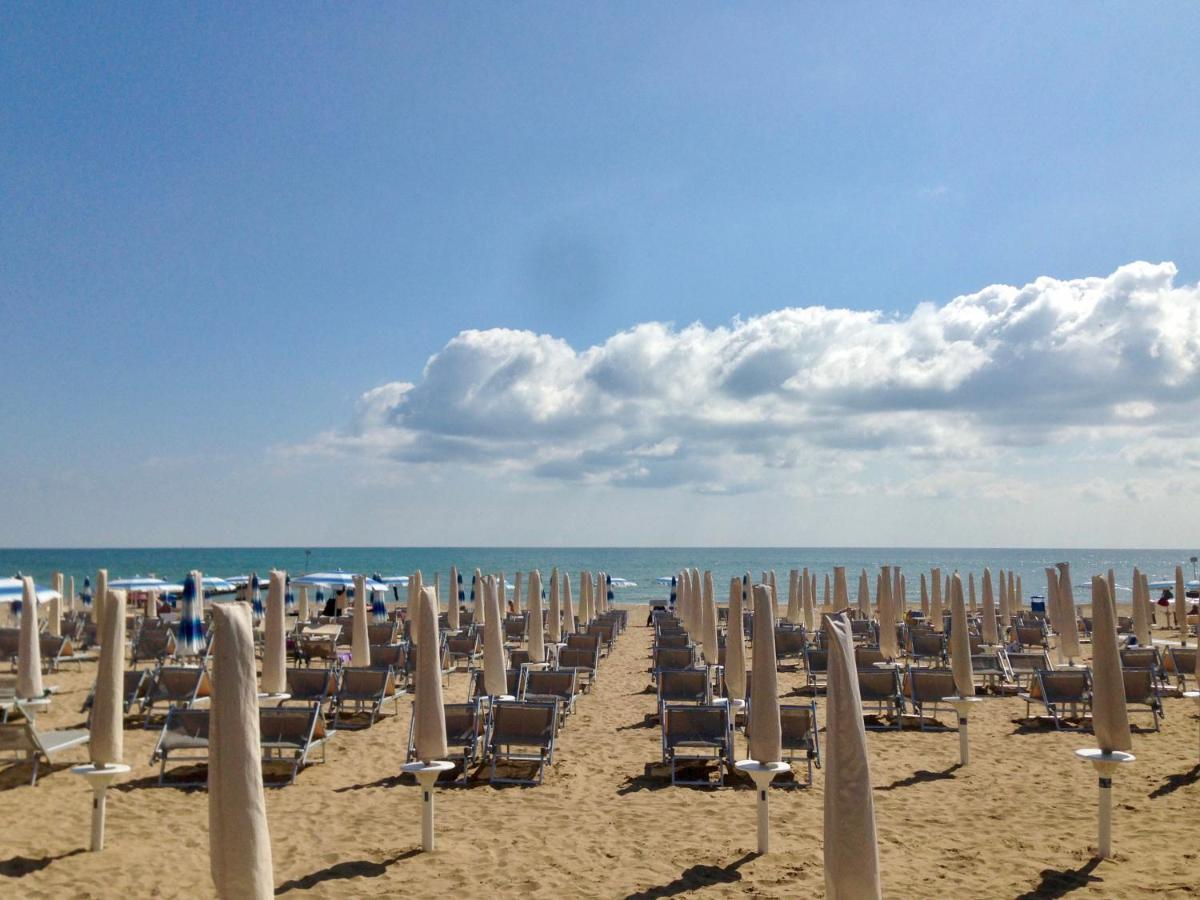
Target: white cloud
(815, 400)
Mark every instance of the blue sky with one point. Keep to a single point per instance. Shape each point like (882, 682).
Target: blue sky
(223, 225)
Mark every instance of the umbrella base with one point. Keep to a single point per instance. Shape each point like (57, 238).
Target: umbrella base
(1106, 765)
(762, 775)
(98, 779)
(962, 705)
(426, 775)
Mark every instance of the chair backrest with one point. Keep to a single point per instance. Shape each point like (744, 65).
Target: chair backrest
(1064, 685)
(789, 642)
(931, 685)
(388, 655)
(816, 659)
(797, 725)
(670, 658)
(381, 632)
(589, 642)
(311, 684)
(925, 643)
(51, 646)
(463, 644)
(18, 737)
(548, 682)
(185, 725)
(464, 724)
(877, 684)
(528, 724)
(365, 682)
(1029, 663)
(1027, 634)
(866, 657)
(1139, 658)
(177, 683)
(1139, 685)
(688, 724)
(287, 725)
(675, 640)
(682, 685)
(1182, 660)
(574, 658)
(518, 658)
(514, 627)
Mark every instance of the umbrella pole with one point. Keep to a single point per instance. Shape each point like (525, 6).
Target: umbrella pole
(99, 778)
(1195, 695)
(1106, 765)
(762, 774)
(426, 775)
(962, 706)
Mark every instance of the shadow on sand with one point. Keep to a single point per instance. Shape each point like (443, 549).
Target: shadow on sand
(355, 868)
(921, 776)
(1060, 882)
(18, 866)
(694, 878)
(1175, 782)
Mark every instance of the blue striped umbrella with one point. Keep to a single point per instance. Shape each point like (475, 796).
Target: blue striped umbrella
(256, 603)
(86, 596)
(12, 590)
(191, 618)
(289, 598)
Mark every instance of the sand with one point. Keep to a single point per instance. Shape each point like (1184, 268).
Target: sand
(1018, 822)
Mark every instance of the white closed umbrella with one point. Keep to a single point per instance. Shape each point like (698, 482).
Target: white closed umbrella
(429, 715)
(774, 586)
(841, 595)
(1141, 610)
(1181, 608)
(851, 844)
(735, 645)
(98, 598)
(763, 728)
(360, 642)
(517, 585)
(554, 625)
(415, 587)
(806, 603)
(990, 635)
(453, 598)
(1069, 634)
(925, 608)
(537, 645)
(495, 672)
(971, 605)
(864, 593)
(239, 839)
(825, 597)
(477, 598)
(793, 615)
(568, 605)
(29, 660)
(303, 612)
(889, 644)
(274, 662)
(937, 611)
(54, 607)
(681, 602)
(106, 743)
(708, 623)
(1110, 718)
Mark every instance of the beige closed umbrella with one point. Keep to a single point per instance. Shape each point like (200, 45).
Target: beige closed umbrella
(864, 593)
(851, 845)
(429, 715)
(1141, 612)
(585, 599)
(568, 606)
(554, 625)
(826, 596)
(1181, 608)
(453, 598)
(1066, 603)
(106, 745)
(735, 645)
(55, 606)
(360, 643)
(794, 607)
(681, 607)
(537, 628)
(696, 599)
(807, 605)
(303, 611)
(971, 605)
(100, 595)
(274, 662)
(1019, 598)
(960, 641)
(889, 644)
(710, 647)
(925, 609)
(495, 671)
(897, 595)
(841, 593)
(1052, 607)
(518, 583)
(414, 605)
(1006, 592)
(29, 659)
(937, 612)
(239, 840)
(990, 635)
(774, 585)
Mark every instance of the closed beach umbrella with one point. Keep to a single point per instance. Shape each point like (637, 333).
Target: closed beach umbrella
(495, 678)
(29, 662)
(360, 644)
(554, 625)
(1112, 591)
(806, 603)
(303, 613)
(477, 598)
(708, 624)
(864, 593)
(879, 597)
(54, 607)
(106, 744)
(925, 598)
(889, 644)
(971, 605)
(537, 646)
(1019, 598)
(1141, 611)
(735, 645)
(794, 603)
(191, 616)
(841, 595)
(1052, 607)
(453, 598)
(897, 595)
(71, 593)
(695, 601)
(1110, 719)
(585, 595)
(774, 585)
(274, 662)
(826, 597)
(937, 611)
(429, 716)
(851, 846)
(568, 606)
(99, 595)
(1006, 592)
(501, 594)
(1181, 604)
(684, 603)
(414, 605)
(763, 728)
(518, 583)
(960, 641)
(239, 840)
(1066, 603)
(989, 610)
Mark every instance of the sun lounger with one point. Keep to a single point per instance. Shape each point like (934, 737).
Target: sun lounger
(542, 685)
(152, 645)
(696, 734)
(584, 662)
(798, 726)
(866, 657)
(927, 647)
(682, 686)
(882, 686)
(863, 631)
(1144, 658)
(466, 734)
(991, 670)
(1141, 692)
(789, 644)
(1031, 636)
(175, 686)
(366, 689)
(523, 732)
(381, 633)
(393, 656)
(24, 740)
(1058, 689)
(673, 658)
(675, 640)
(291, 733)
(132, 691)
(1181, 662)
(311, 686)
(317, 642)
(515, 628)
(926, 689)
(607, 630)
(10, 644)
(816, 666)
(1027, 665)
(466, 649)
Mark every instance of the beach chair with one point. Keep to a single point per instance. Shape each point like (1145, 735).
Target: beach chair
(381, 633)
(318, 642)
(466, 734)
(515, 628)
(673, 658)
(175, 686)
(1141, 691)
(926, 689)
(789, 644)
(184, 738)
(1058, 689)
(863, 631)
(54, 650)
(584, 662)
(523, 732)
(799, 732)
(311, 686)
(133, 688)
(152, 644)
(1031, 636)
(991, 670)
(290, 734)
(675, 640)
(816, 666)
(543, 685)
(476, 689)
(390, 656)
(682, 686)
(367, 690)
(866, 657)
(1181, 662)
(10, 645)
(465, 649)
(1027, 665)
(518, 657)
(28, 743)
(607, 630)
(1144, 658)
(927, 647)
(882, 687)
(697, 734)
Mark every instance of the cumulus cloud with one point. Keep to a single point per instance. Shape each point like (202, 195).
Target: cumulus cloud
(837, 399)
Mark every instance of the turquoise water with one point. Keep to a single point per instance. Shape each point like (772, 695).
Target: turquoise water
(638, 564)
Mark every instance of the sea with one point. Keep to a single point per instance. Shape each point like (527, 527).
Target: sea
(641, 565)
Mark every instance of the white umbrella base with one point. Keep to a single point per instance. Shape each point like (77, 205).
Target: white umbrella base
(1106, 765)
(99, 778)
(762, 774)
(426, 775)
(962, 705)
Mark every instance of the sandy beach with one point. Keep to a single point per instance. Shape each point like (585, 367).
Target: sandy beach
(1017, 823)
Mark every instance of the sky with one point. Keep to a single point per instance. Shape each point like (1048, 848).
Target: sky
(600, 274)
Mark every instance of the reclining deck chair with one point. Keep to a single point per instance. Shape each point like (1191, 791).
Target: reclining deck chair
(799, 732)
(1141, 691)
(23, 739)
(466, 734)
(311, 686)
(1058, 688)
(927, 688)
(882, 686)
(523, 732)
(1181, 662)
(697, 734)
(290, 734)
(543, 685)
(175, 686)
(367, 689)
